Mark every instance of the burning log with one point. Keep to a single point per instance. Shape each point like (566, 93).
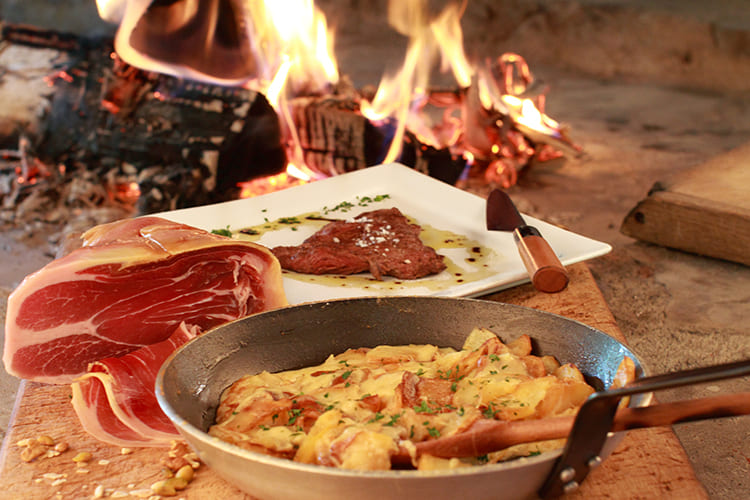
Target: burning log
(335, 138)
(175, 143)
(195, 135)
(32, 36)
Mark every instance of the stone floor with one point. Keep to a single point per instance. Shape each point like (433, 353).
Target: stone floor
(677, 310)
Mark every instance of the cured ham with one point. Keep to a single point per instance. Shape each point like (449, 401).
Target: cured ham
(130, 285)
(115, 401)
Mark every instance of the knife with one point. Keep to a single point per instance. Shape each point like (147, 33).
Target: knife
(546, 272)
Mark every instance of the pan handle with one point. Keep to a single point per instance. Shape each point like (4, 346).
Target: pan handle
(594, 421)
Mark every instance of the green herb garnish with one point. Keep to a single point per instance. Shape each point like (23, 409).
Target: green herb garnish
(376, 417)
(424, 408)
(294, 414)
(393, 420)
(223, 232)
(490, 411)
(289, 220)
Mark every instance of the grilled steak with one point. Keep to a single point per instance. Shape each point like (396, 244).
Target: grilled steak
(382, 242)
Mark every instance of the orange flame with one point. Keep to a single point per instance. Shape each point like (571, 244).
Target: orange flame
(291, 47)
(292, 36)
(287, 35)
(399, 95)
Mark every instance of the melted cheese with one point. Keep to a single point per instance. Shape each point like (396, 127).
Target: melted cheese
(359, 407)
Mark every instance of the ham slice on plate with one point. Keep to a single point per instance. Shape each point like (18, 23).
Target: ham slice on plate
(130, 285)
(115, 401)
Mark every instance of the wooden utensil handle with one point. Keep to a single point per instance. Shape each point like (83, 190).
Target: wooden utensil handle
(546, 272)
(492, 435)
(725, 405)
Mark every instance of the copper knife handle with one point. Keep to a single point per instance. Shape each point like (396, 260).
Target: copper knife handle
(546, 272)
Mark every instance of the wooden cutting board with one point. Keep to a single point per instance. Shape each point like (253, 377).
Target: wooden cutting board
(649, 463)
(705, 210)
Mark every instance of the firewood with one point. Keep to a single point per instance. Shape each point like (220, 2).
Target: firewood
(334, 136)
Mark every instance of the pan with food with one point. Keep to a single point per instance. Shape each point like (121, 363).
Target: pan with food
(191, 383)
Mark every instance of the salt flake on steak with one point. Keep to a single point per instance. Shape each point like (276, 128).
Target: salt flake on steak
(382, 242)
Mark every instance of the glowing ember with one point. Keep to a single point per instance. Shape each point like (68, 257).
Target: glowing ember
(126, 192)
(268, 184)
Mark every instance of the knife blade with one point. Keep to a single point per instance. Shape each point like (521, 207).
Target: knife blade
(544, 267)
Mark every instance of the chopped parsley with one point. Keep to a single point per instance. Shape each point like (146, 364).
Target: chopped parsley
(294, 414)
(366, 200)
(490, 411)
(424, 408)
(289, 220)
(362, 201)
(393, 420)
(222, 232)
(452, 375)
(376, 417)
(432, 431)
(344, 206)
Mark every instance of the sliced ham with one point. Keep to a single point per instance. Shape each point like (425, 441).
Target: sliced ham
(115, 401)
(130, 285)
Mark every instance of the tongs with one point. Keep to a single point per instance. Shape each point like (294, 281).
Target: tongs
(597, 417)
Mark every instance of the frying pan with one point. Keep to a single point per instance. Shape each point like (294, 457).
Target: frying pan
(191, 381)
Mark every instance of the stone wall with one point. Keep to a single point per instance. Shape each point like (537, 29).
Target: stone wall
(75, 16)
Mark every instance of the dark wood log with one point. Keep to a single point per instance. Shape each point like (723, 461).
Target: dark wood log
(334, 136)
(185, 143)
(33, 36)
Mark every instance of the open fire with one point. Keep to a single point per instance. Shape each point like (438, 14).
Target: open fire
(280, 55)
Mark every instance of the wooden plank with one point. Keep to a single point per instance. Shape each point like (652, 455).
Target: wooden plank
(705, 210)
(46, 410)
(649, 463)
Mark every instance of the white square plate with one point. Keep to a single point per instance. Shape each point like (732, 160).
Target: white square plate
(426, 200)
